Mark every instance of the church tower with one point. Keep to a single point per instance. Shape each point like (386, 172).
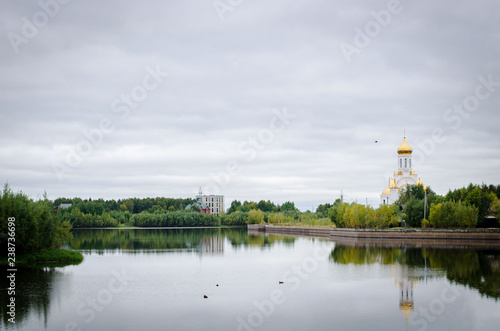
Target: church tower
(405, 175)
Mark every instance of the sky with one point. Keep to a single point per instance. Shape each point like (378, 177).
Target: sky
(295, 100)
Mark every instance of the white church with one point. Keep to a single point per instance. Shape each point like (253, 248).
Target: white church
(405, 175)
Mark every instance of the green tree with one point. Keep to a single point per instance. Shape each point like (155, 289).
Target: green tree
(337, 214)
(266, 206)
(37, 226)
(235, 205)
(385, 216)
(477, 196)
(288, 206)
(495, 209)
(322, 210)
(451, 214)
(255, 216)
(414, 211)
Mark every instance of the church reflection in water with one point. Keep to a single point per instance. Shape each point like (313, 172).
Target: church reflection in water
(406, 280)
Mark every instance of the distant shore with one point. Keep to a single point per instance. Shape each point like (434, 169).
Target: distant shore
(491, 235)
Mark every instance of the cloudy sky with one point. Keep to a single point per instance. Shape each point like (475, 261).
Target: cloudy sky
(253, 99)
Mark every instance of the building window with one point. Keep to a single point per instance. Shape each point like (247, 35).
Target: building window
(406, 163)
(410, 163)
(401, 163)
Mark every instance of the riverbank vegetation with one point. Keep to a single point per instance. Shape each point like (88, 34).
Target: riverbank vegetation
(47, 224)
(418, 206)
(32, 229)
(47, 257)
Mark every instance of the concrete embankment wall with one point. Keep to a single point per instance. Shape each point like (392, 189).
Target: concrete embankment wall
(461, 235)
(299, 231)
(475, 234)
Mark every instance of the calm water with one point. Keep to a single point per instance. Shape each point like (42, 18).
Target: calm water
(156, 280)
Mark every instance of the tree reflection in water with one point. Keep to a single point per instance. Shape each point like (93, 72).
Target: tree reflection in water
(475, 267)
(33, 293)
(154, 240)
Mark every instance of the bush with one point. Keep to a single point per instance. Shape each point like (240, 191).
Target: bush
(255, 216)
(80, 220)
(36, 224)
(236, 218)
(452, 214)
(276, 218)
(426, 224)
(174, 219)
(360, 216)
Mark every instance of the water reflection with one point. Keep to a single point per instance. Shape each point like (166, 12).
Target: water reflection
(33, 294)
(406, 303)
(359, 286)
(211, 246)
(474, 267)
(203, 241)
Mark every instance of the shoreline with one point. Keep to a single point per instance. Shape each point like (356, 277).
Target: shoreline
(490, 236)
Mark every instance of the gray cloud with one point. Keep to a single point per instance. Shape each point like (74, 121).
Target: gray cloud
(224, 80)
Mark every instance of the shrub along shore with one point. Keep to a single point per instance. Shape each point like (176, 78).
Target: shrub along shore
(31, 232)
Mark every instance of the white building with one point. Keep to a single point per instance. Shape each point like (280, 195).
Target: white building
(214, 202)
(405, 175)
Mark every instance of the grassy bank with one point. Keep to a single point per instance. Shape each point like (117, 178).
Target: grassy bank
(47, 256)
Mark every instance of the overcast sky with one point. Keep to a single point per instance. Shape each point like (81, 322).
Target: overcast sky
(275, 100)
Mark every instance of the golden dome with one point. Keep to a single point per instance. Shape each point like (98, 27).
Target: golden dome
(387, 191)
(404, 149)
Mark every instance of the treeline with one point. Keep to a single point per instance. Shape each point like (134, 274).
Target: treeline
(467, 207)
(35, 225)
(264, 206)
(134, 211)
(131, 205)
(46, 224)
(420, 207)
(158, 218)
(285, 214)
(186, 219)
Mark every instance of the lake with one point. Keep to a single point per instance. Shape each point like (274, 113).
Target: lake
(157, 279)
